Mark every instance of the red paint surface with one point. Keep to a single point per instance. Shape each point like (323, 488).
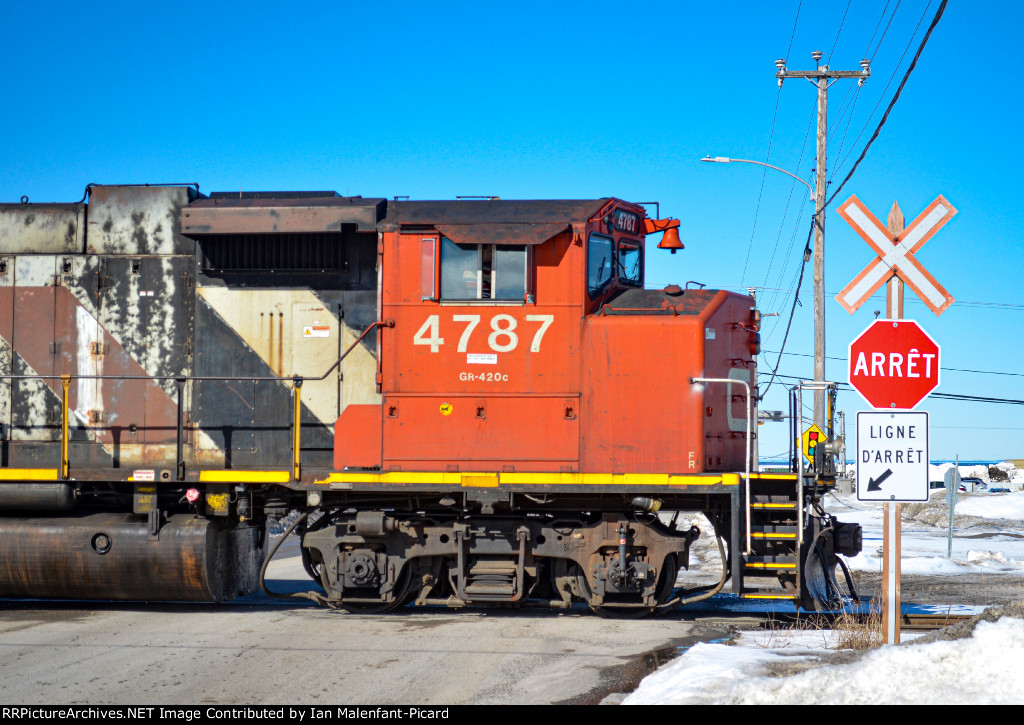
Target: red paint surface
(894, 384)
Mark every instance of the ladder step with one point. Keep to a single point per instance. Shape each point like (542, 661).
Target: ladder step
(775, 530)
(788, 506)
(756, 594)
(770, 562)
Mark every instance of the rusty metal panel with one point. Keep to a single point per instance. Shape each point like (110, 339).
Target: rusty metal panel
(41, 228)
(35, 407)
(68, 319)
(138, 220)
(280, 216)
(501, 233)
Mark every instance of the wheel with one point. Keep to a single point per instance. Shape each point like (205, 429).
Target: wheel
(666, 585)
(402, 594)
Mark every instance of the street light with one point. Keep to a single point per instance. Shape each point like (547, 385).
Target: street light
(817, 196)
(727, 160)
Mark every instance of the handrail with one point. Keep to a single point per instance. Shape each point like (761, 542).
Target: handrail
(180, 380)
(746, 385)
(209, 378)
(800, 386)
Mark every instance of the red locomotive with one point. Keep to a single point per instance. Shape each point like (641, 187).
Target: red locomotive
(468, 402)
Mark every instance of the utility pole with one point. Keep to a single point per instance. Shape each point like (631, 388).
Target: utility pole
(820, 77)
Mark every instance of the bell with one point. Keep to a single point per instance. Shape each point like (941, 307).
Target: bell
(670, 240)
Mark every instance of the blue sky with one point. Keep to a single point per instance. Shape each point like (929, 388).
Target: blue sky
(576, 100)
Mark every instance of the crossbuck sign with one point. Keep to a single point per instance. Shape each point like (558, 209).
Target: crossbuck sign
(896, 254)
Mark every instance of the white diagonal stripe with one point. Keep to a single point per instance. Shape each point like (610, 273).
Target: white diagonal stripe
(864, 222)
(896, 257)
(856, 293)
(925, 226)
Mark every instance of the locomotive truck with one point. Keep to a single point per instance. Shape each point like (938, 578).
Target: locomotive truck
(468, 402)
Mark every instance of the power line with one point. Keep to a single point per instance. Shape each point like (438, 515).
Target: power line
(880, 40)
(877, 26)
(1009, 306)
(895, 98)
(789, 200)
(958, 370)
(767, 157)
(888, 83)
(796, 297)
(944, 396)
(760, 193)
(839, 32)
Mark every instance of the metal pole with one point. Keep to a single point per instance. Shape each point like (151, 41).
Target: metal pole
(819, 247)
(297, 430)
(65, 462)
(180, 441)
(892, 540)
(820, 77)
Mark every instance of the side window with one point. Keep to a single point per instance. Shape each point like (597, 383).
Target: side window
(460, 264)
(599, 263)
(482, 271)
(509, 273)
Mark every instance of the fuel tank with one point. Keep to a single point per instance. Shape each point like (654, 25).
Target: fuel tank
(112, 556)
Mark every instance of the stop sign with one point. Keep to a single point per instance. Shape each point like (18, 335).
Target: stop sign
(894, 364)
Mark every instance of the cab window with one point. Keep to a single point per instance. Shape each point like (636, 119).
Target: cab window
(599, 263)
(630, 263)
(482, 271)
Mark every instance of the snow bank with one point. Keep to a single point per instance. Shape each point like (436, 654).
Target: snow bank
(942, 672)
(991, 506)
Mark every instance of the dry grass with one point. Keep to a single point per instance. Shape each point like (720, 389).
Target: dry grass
(858, 632)
(847, 632)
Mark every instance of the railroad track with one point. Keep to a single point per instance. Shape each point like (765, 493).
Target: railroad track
(932, 621)
(913, 621)
(908, 622)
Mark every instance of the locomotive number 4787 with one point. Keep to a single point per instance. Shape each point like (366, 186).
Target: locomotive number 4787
(502, 338)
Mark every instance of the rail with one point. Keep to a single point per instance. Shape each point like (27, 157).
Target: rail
(180, 381)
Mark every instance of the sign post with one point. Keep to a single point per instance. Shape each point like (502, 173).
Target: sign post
(886, 369)
(952, 481)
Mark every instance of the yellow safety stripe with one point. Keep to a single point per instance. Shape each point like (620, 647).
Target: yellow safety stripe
(769, 596)
(762, 565)
(773, 505)
(28, 474)
(467, 479)
(758, 535)
(477, 479)
(245, 476)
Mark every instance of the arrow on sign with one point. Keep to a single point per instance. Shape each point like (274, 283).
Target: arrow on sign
(875, 484)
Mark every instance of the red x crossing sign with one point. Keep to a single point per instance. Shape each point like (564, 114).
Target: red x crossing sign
(896, 254)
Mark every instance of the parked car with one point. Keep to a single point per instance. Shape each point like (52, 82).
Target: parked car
(972, 484)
